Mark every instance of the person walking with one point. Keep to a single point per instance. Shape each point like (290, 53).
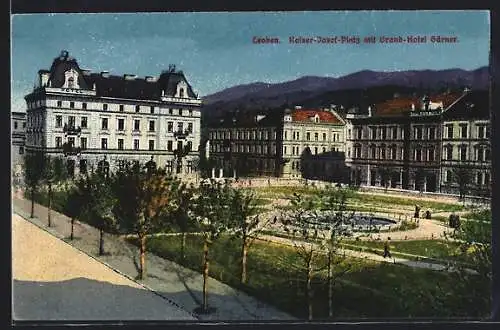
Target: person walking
(387, 253)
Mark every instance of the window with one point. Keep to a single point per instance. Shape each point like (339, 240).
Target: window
(359, 134)
(190, 145)
(373, 133)
(315, 150)
(104, 143)
(104, 123)
(487, 155)
(83, 143)
(151, 125)
(71, 82)
(463, 131)
(418, 133)
(137, 108)
(151, 144)
(59, 104)
(21, 150)
(382, 152)
(58, 121)
(137, 125)
(84, 106)
(170, 111)
(449, 131)
(104, 106)
(463, 153)
(357, 151)
(393, 152)
(479, 178)
(449, 152)
(315, 136)
(169, 145)
(122, 107)
(480, 154)
(486, 178)
(286, 135)
(373, 152)
(152, 109)
(284, 150)
(394, 133)
(170, 126)
(136, 144)
(308, 136)
(179, 145)
(181, 92)
(324, 136)
(190, 127)
(71, 105)
(71, 121)
(121, 124)
(58, 141)
(448, 176)
(180, 126)
(15, 124)
(24, 125)
(83, 122)
(432, 133)
(190, 112)
(430, 155)
(481, 132)
(384, 133)
(418, 154)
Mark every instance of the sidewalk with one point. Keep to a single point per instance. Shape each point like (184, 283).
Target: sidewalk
(179, 285)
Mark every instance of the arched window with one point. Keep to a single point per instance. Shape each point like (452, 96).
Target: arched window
(71, 82)
(181, 92)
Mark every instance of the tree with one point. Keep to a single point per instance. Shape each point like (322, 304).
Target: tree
(97, 199)
(34, 163)
(212, 211)
(245, 223)
(462, 177)
(305, 163)
(318, 223)
(385, 177)
(73, 206)
(142, 204)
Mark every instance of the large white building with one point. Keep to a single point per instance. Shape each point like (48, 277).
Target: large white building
(18, 136)
(85, 117)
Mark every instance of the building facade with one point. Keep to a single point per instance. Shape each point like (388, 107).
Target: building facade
(18, 137)
(466, 148)
(282, 143)
(86, 117)
(418, 144)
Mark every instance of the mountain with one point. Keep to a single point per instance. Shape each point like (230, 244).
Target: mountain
(322, 91)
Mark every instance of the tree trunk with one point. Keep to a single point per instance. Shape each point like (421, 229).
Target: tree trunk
(309, 290)
(183, 246)
(244, 252)
(205, 275)
(101, 241)
(49, 205)
(142, 270)
(330, 285)
(32, 202)
(72, 226)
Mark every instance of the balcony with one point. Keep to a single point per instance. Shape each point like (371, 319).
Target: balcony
(69, 149)
(182, 134)
(71, 130)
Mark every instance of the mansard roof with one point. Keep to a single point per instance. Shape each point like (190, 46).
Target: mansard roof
(402, 106)
(118, 86)
(305, 115)
(474, 105)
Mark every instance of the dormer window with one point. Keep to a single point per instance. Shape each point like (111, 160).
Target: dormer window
(316, 118)
(181, 92)
(288, 118)
(71, 82)
(71, 79)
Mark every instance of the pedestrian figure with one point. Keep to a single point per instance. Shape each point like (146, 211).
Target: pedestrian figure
(269, 182)
(417, 211)
(428, 214)
(387, 253)
(275, 219)
(249, 182)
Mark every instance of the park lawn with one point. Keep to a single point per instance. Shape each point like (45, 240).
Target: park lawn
(439, 249)
(368, 290)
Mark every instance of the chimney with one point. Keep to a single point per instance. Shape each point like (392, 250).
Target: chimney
(128, 76)
(105, 74)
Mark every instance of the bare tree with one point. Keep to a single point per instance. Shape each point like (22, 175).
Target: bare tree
(462, 177)
(34, 164)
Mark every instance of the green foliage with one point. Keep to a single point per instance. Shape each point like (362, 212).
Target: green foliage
(93, 201)
(34, 167)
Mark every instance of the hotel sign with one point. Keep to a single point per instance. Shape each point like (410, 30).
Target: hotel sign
(71, 91)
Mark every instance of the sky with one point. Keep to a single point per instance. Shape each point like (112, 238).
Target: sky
(216, 50)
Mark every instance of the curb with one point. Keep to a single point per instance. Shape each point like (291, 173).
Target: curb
(170, 301)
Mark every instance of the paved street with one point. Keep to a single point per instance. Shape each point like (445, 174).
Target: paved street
(180, 285)
(55, 281)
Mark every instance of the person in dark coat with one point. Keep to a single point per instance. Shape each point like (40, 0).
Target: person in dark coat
(417, 211)
(387, 253)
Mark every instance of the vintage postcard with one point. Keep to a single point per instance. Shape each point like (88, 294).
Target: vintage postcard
(251, 166)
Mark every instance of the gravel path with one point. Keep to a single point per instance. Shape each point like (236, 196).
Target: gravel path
(55, 281)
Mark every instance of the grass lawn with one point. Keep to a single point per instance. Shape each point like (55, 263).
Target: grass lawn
(368, 290)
